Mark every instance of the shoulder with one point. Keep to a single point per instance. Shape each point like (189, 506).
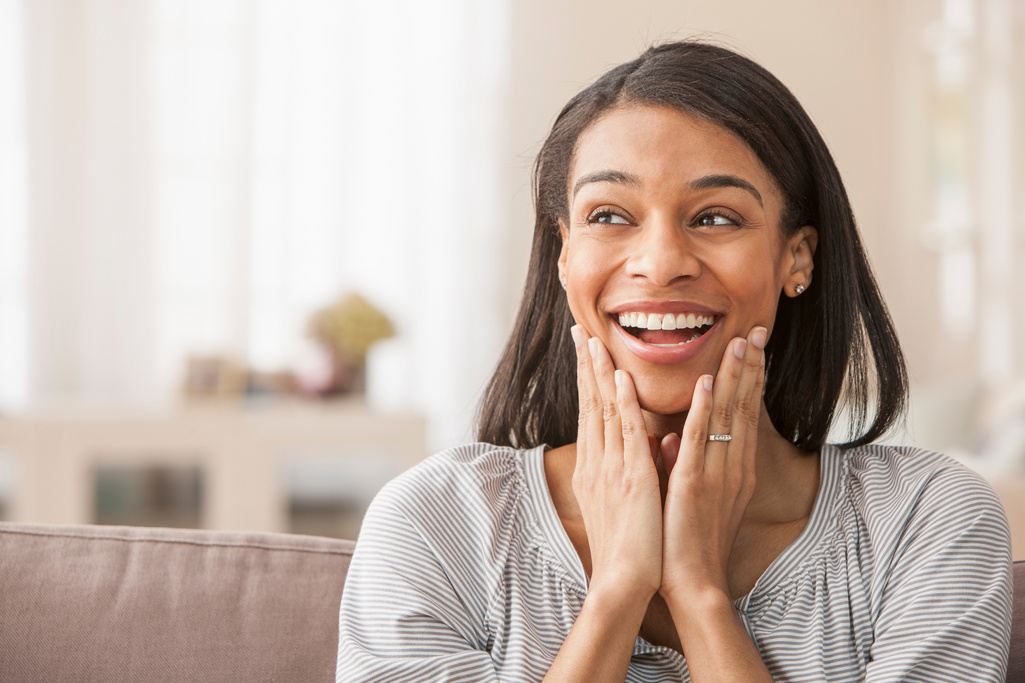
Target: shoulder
(462, 500)
(928, 554)
(904, 472)
(472, 475)
(431, 553)
(894, 487)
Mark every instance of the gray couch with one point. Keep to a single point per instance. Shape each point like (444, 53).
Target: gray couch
(107, 604)
(92, 603)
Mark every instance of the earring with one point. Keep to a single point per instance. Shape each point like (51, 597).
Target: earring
(799, 289)
(563, 281)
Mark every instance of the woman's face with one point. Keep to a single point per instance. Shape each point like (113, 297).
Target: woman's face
(673, 247)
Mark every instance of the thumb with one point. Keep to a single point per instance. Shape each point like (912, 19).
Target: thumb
(670, 451)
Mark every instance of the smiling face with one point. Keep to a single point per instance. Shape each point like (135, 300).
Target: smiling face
(673, 247)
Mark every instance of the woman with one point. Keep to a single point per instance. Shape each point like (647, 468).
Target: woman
(655, 500)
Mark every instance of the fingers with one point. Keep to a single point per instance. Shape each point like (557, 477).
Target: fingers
(694, 438)
(747, 405)
(731, 408)
(637, 448)
(738, 386)
(611, 424)
(670, 450)
(725, 389)
(589, 428)
(747, 402)
(604, 375)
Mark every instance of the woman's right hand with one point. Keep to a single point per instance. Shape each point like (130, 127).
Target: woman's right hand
(615, 481)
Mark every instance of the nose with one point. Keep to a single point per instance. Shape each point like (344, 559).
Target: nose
(662, 252)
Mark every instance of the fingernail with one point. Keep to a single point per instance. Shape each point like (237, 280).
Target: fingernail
(593, 346)
(578, 336)
(759, 337)
(739, 347)
(707, 382)
(620, 378)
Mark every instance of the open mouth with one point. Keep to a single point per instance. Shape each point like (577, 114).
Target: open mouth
(666, 329)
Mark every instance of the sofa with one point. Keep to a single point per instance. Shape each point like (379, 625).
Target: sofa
(93, 603)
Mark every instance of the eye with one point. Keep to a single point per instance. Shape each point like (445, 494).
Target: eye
(608, 217)
(717, 218)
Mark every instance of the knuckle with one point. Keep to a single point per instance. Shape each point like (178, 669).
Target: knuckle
(588, 406)
(609, 410)
(744, 407)
(629, 429)
(724, 414)
(752, 418)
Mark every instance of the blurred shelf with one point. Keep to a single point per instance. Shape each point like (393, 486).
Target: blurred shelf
(248, 453)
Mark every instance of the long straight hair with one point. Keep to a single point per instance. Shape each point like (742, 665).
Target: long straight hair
(834, 347)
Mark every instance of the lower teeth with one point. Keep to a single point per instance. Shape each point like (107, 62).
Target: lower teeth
(669, 346)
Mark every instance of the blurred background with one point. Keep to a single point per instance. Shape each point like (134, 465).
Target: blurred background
(259, 256)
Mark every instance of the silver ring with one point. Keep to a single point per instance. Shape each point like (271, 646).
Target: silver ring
(719, 437)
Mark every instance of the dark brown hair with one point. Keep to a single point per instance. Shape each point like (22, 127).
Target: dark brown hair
(832, 347)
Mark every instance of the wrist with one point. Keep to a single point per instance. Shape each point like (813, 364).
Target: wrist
(619, 600)
(698, 605)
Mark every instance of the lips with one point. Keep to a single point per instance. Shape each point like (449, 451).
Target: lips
(665, 329)
(664, 336)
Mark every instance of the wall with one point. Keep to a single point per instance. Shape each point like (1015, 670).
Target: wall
(863, 73)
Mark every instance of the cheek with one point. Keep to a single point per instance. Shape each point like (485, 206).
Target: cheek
(754, 287)
(588, 271)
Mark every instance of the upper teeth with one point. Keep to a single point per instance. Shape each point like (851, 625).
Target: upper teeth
(668, 321)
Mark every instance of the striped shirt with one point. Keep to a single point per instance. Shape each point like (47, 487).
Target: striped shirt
(463, 572)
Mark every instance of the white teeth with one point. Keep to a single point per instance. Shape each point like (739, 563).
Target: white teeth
(654, 321)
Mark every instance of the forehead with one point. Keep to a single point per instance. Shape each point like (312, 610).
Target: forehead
(663, 145)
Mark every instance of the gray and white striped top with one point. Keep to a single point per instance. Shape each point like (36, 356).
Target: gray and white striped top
(463, 572)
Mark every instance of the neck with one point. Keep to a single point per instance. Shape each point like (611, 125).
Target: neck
(777, 462)
(660, 425)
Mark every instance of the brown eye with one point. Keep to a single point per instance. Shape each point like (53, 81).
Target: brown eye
(716, 219)
(607, 217)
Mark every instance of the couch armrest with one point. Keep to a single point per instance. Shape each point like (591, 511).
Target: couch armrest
(90, 603)
(1016, 665)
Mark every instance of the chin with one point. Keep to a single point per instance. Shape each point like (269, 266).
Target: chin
(665, 397)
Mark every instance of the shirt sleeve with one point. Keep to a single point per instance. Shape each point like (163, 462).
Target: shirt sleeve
(945, 609)
(401, 617)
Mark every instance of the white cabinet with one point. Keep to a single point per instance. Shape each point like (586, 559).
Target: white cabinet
(249, 456)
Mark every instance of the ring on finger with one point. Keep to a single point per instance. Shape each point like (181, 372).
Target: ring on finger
(720, 437)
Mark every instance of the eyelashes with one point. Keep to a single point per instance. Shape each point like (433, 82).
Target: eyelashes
(718, 217)
(708, 218)
(607, 216)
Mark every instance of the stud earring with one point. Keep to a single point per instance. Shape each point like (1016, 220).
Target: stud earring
(563, 281)
(799, 289)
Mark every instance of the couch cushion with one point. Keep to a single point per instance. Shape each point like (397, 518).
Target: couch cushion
(1016, 665)
(90, 603)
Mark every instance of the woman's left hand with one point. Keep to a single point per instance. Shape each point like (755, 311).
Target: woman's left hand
(711, 482)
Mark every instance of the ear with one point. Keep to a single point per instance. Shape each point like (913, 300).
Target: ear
(799, 260)
(564, 233)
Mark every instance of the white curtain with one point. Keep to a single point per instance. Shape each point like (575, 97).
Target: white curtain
(206, 173)
(13, 219)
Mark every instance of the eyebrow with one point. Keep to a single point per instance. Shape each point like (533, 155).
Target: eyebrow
(605, 177)
(703, 183)
(723, 180)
